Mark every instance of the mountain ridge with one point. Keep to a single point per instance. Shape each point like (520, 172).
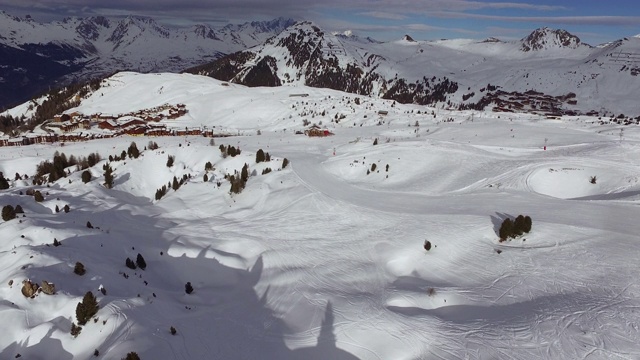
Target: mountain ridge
(454, 73)
(95, 46)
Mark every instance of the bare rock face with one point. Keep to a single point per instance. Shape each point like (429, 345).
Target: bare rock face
(48, 288)
(29, 289)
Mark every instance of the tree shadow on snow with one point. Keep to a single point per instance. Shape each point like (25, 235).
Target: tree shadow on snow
(497, 220)
(45, 349)
(223, 318)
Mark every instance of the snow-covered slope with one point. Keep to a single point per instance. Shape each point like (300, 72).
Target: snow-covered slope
(324, 258)
(95, 46)
(456, 72)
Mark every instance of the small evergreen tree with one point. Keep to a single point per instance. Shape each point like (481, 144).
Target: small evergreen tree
(175, 185)
(57, 209)
(19, 209)
(173, 330)
(140, 262)
(527, 224)
(205, 178)
(170, 160)
(259, 156)
(244, 174)
(86, 309)
(75, 330)
(518, 226)
(79, 270)
(188, 288)
(8, 213)
(506, 229)
(285, 162)
(4, 184)
(375, 142)
(133, 151)
(86, 176)
(132, 356)
(66, 208)
(38, 196)
(130, 264)
(89, 225)
(108, 177)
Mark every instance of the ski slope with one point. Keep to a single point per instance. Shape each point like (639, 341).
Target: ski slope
(320, 260)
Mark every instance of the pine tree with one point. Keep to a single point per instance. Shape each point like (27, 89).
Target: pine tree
(8, 213)
(259, 156)
(132, 356)
(86, 309)
(140, 262)
(527, 224)
(285, 162)
(175, 185)
(108, 177)
(79, 270)
(518, 225)
(4, 184)
(75, 330)
(133, 151)
(506, 229)
(188, 288)
(38, 196)
(130, 264)
(244, 174)
(86, 176)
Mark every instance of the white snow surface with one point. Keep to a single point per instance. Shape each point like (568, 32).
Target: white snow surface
(321, 260)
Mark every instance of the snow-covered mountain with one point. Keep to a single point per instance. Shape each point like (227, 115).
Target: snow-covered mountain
(561, 74)
(39, 55)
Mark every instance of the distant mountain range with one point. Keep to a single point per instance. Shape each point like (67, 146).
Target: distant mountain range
(549, 71)
(35, 56)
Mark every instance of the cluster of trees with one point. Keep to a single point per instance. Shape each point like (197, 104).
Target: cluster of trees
(261, 156)
(54, 170)
(175, 185)
(229, 151)
(85, 310)
(514, 228)
(139, 263)
(239, 181)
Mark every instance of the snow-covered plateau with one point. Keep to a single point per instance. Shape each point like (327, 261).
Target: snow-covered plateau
(324, 256)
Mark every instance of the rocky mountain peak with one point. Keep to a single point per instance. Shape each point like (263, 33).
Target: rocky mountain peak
(408, 38)
(546, 38)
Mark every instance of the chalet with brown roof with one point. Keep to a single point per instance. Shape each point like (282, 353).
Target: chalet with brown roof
(108, 125)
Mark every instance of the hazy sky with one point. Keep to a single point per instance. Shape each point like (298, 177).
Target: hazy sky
(594, 21)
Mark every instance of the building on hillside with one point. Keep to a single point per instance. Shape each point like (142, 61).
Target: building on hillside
(108, 125)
